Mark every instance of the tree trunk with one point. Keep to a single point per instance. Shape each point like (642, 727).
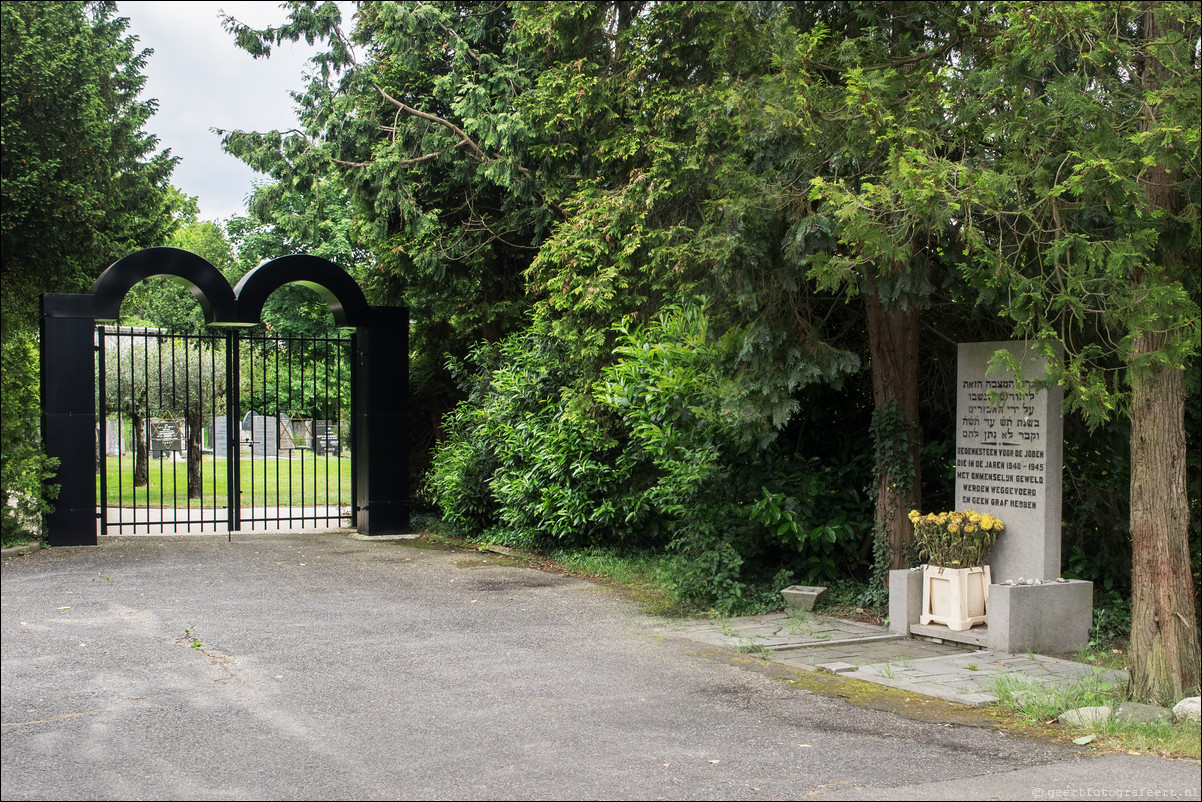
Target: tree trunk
(195, 429)
(141, 464)
(893, 349)
(1164, 625)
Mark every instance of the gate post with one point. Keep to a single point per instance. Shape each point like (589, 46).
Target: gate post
(68, 329)
(381, 423)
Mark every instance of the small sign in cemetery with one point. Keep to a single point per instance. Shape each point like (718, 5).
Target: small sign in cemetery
(1009, 459)
(167, 436)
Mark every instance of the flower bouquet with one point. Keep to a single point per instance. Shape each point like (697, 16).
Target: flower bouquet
(954, 539)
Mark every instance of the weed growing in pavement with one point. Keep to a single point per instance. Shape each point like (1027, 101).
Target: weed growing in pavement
(749, 646)
(798, 622)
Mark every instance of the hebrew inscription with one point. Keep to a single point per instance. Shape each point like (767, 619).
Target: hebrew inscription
(1000, 459)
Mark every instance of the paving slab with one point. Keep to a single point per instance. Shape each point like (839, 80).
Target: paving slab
(949, 671)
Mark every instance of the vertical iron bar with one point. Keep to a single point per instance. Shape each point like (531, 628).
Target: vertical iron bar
(146, 425)
(291, 346)
(212, 415)
(121, 416)
(330, 419)
(354, 432)
(251, 411)
(233, 465)
(275, 349)
(291, 342)
(103, 443)
(338, 349)
(180, 429)
(173, 398)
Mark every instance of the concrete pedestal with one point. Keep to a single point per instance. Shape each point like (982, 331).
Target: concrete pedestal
(1048, 618)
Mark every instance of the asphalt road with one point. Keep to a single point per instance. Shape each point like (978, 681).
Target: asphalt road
(316, 666)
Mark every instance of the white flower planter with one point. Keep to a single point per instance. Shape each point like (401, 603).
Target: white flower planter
(956, 597)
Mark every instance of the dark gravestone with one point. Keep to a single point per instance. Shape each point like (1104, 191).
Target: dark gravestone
(326, 439)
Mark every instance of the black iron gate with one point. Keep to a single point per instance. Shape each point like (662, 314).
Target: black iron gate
(223, 431)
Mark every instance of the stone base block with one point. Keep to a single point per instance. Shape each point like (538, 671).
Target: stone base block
(905, 600)
(1047, 618)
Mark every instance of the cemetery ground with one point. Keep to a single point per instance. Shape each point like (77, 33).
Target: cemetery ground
(304, 481)
(318, 665)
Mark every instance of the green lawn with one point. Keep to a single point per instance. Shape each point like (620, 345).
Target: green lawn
(313, 480)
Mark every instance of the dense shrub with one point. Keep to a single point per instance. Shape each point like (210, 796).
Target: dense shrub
(23, 466)
(666, 446)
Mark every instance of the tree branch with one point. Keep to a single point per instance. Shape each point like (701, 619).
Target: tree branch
(434, 118)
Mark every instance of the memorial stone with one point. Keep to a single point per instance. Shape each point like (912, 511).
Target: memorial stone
(258, 435)
(325, 439)
(220, 437)
(114, 441)
(1009, 450)
(286, 441)
(261, 434)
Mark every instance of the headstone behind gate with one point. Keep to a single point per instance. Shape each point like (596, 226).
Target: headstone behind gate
(258, 435)
(267, 435)
(325, 439)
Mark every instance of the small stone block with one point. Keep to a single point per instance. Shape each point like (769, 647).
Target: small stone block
(1189, 709)
(1085, 716)
(837, 668)
(1136, 713)
(905, 599)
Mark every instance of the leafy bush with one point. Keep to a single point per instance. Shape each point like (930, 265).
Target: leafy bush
(23, 467)
(667, 446)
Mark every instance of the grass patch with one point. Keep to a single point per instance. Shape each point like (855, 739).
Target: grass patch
(1038, 704)
(643, 575)
(308, 481)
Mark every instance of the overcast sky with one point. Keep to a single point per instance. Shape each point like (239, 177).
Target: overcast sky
(202, 81)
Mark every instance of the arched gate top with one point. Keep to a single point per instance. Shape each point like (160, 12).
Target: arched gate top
(332, 283)
(205, 282)
(241, 305)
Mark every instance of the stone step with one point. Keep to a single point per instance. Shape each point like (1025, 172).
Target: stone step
(976, 636)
